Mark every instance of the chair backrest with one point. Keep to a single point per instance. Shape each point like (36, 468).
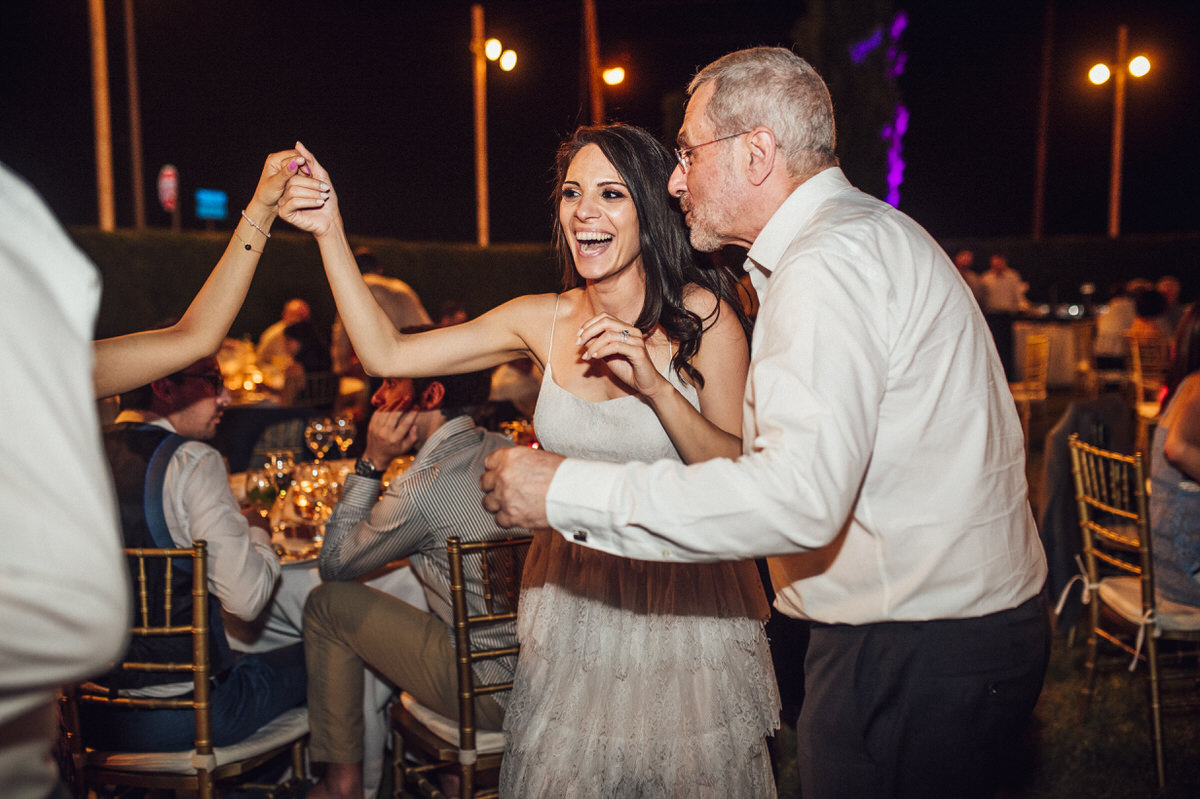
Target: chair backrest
(1149, 361)
(319, 390)
(154, 609)
(1110, 489)
(154, 573)
(498, 564)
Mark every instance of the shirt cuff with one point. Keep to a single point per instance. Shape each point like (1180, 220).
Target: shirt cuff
(578, 504)
(590, 503)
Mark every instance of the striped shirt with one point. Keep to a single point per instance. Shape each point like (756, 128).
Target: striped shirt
(437, 497)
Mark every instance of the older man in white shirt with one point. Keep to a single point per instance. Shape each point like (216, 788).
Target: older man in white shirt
(884, 466)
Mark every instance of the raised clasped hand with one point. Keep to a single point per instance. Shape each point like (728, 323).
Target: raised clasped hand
(309, 201)
(277, 170)
(623, 349)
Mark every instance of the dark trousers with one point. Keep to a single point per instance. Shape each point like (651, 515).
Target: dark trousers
(919, 709)
(258, 688)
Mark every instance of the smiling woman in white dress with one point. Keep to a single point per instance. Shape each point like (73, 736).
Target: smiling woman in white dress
(635, 678)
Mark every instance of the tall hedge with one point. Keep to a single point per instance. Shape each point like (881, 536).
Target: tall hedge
(151, 275)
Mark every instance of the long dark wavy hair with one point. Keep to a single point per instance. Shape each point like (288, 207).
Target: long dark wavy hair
(1187, 351)
(668, 260)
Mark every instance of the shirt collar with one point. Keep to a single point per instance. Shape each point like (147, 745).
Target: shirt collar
(788, 220)
(449, 429)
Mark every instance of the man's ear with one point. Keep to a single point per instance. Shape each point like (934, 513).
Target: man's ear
(432, 396)
(762, 154)
(164, 390)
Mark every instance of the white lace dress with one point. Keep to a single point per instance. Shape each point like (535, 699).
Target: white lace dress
(635, 679)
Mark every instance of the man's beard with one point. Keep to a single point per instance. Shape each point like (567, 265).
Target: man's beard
(712, 224)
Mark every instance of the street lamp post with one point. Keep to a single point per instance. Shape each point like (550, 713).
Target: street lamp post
(101, 119)
(484, 51)
(135, 120)
(1099, 74)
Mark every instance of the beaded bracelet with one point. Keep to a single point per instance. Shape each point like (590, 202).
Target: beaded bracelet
(254, 225)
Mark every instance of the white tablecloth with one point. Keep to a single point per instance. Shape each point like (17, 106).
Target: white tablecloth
(1061, 370)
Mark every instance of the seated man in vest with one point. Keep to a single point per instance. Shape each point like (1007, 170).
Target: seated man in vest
(347, 625)
(172, 490)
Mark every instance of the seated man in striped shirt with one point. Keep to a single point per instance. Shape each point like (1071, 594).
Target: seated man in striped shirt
(348, 625)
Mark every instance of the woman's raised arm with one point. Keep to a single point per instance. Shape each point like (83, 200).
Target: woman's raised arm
(502, 334)
(132, 360)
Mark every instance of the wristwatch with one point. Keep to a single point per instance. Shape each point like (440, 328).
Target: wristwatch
(365, 468)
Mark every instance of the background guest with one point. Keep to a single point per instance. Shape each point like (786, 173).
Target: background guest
(453, 313)
(349, 626)
(1004, 291)
(1175, 473)
(1112, 326)
(271, 348)
(1003, 299)
(173, 489)
(1169, 287)
(1147, 326)
(397, 299)
(310, 362)
(964, 261)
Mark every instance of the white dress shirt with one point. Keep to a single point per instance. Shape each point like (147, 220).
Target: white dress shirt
(64, 594)
(884, 463)
(198, 505)
(1003, 292)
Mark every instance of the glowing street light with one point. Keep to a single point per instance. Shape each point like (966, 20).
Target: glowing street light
(613, 76)
(1099, 74)
(484, 50)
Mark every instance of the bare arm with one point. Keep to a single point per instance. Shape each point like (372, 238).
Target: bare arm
(129, 361)
(1182, 445)
(500, 335)
(722, 359)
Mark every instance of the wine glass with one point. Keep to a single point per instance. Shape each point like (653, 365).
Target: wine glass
(318, 435)
(344, 431)
(261, 491)
(279, 466)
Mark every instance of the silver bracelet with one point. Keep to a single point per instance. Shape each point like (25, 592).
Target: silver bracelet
(254, 225)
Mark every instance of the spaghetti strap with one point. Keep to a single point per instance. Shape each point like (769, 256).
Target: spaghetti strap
(553, 325)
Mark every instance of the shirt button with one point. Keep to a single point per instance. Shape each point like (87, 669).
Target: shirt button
(580, 535)
(667, 554)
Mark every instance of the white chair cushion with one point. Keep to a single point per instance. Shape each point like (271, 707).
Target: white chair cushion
(281, 730)
(1124, 595)
(486, 741)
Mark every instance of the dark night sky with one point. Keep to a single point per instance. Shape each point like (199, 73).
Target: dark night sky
(381, 91)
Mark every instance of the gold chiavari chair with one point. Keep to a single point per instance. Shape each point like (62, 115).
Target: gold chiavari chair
(426, 742)
(1110, 489)
(206, 769)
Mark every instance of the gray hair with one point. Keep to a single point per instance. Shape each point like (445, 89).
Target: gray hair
(774, 88)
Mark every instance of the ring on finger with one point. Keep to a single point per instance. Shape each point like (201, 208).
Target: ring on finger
(624, 336)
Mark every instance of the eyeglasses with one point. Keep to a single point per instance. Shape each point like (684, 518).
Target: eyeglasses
(214, 380)
(684, 154)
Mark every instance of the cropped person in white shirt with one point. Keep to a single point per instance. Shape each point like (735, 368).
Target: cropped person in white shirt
(883, 464)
